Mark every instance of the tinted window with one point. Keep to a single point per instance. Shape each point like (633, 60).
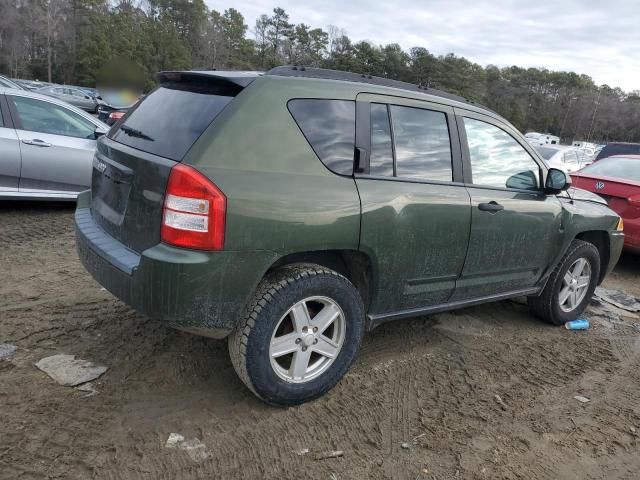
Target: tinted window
(1, 120)
(422, 144)
(44, 117)
(615, 167)
(381, 158)
(497, 160)
(330, 128)
(169, 121)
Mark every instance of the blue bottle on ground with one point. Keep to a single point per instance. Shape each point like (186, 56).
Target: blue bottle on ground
(579, 324)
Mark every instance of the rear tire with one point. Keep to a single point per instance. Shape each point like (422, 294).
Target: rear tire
(570, 286)
(301, 333)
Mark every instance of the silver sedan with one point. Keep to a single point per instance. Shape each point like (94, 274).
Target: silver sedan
(46, 147)
(74, 96)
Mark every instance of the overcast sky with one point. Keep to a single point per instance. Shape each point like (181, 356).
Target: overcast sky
(600, 38)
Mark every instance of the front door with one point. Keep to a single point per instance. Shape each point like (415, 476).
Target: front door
(57, 146)
(9, 152)
(514, 225)
(416, 212)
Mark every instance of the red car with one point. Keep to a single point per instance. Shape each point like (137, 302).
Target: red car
(617, 179)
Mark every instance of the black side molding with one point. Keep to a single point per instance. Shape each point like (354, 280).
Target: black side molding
(378, 319)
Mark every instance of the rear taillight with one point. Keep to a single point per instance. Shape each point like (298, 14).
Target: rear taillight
(194, 211)
(116, 115)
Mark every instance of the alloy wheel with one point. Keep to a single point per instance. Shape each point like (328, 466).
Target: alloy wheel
(307, 339)
(575, 285)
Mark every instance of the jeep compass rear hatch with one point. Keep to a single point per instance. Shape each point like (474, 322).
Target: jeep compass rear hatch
(132, 164)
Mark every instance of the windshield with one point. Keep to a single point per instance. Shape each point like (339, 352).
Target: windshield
(616, 167)
(546, 153)
(5, 82)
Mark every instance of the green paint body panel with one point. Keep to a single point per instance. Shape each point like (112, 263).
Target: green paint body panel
(427, 242)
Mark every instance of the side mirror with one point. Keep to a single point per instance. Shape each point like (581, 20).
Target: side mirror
(557, 181)
(98, 132)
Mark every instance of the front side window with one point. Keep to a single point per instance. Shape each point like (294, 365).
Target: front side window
(44, 117)
(570, 157)
(330, 128)
(422, 146)
(497, 160)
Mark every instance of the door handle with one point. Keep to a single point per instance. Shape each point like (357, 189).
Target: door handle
(36, 142)
(491, 207)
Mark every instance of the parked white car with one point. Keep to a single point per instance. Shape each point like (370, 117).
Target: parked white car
(566, 157)
(46, 146)
(537, 139)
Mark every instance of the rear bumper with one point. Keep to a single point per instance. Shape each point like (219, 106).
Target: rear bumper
(200, 292)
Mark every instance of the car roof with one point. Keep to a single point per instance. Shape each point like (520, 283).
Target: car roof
(554, 146)
(54, 100)
(244, 78)
(622, 155)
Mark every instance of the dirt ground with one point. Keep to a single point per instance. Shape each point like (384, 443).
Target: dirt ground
(418, 404)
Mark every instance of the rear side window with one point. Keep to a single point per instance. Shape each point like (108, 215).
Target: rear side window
(381, 158)
(423, 149)
(169, 120)
(330, 128)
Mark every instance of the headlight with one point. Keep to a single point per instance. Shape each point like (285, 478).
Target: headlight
(620, 226)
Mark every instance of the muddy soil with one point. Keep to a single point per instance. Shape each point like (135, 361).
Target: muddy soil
(420, 402)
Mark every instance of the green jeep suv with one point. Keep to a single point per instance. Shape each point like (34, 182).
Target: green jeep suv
(292, 211)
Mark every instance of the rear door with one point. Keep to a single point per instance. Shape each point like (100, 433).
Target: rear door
(57, 146)
(515, 227)
(9, 151)
(415, 209)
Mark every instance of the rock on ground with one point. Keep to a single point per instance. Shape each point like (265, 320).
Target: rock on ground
(196, 450)
(7, 349)
(69, 371)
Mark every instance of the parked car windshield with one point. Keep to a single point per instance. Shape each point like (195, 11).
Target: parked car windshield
(169, 121)
(546, 153)
(5, 82)
(615, 167)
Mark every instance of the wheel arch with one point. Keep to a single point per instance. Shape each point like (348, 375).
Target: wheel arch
(355, 265)
(600, 239)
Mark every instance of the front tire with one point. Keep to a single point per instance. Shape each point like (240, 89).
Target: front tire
(301, 333)
(570, 286)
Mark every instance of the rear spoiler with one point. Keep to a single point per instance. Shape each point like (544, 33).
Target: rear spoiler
(229, 82)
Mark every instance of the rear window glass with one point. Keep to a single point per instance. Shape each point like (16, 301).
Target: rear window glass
(330, 128)
(620, 167)
(169, 121)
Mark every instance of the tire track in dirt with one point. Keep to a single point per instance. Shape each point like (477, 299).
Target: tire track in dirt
(434, 377)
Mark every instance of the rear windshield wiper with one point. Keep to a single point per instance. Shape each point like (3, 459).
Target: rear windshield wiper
(132, 132)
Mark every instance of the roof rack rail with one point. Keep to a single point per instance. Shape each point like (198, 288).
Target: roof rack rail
(312, 72)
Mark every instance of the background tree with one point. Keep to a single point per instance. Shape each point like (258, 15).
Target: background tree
(88, 42)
